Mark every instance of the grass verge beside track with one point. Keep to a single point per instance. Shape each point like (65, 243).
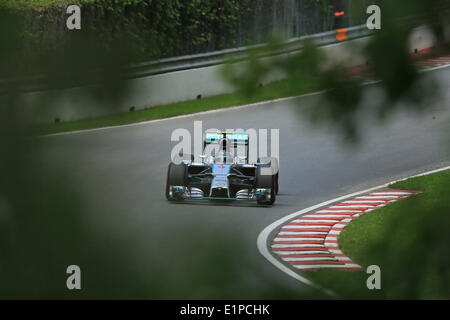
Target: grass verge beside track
(409, 240)
(271, 91)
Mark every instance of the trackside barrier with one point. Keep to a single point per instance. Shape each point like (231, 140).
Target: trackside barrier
(184, 78)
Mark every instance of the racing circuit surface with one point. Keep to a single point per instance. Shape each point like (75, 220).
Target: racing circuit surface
(120, 174)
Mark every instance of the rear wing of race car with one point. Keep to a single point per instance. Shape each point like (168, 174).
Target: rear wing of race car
(236, 139)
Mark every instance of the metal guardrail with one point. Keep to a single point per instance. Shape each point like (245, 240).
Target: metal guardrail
(44, 82)
(220, 57)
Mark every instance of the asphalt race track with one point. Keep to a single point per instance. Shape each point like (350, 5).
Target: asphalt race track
(120, 174)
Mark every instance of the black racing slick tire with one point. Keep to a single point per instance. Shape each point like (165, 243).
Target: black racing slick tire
(176, 176)
(276, 183)
(272, 162)
(266, 182)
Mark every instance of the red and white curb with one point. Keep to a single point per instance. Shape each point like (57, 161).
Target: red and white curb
(425, 64)
(264, 242)
(432, 63)
(311, 241)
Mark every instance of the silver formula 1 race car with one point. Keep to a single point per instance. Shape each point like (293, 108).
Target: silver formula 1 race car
(223, 175)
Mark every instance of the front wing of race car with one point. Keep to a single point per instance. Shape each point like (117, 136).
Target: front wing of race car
(219, 182)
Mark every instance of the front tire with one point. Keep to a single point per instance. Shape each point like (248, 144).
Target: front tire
(176, 176)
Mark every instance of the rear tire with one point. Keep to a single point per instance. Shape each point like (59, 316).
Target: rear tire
(273, 163)
(176, 176)
(276, 183)
(266, 182)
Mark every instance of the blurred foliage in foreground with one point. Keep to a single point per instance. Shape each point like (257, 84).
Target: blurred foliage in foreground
(44, 226)
(47, 222)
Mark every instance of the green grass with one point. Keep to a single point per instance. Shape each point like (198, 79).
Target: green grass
(273, 90)
(409, 240)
